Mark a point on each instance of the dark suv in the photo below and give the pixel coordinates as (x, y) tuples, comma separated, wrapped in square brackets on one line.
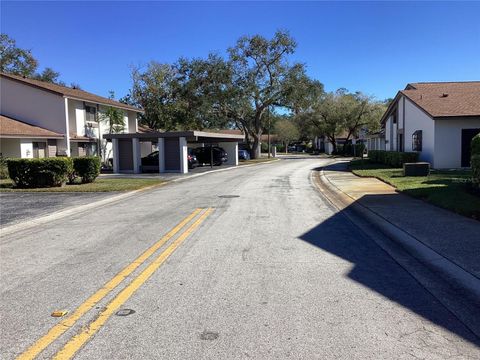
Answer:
[(204, 155), (151, 160)]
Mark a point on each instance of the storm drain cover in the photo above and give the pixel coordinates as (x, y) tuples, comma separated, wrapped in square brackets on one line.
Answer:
[(125, 312), (209, 335), (228, 196)]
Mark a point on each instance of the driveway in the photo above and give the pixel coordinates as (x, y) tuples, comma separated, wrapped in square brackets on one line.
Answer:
[(247, 263), (21, 206)]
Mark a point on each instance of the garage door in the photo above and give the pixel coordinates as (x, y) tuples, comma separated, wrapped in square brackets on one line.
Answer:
[(125, 152), (172, 154)]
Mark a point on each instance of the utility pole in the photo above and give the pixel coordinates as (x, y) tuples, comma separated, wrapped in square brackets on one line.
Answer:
[(268, 119)]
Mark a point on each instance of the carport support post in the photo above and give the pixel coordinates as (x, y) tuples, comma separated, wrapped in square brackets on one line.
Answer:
[(182, 144), (232, 152), (137, 158), (161, 155), (115, 154)]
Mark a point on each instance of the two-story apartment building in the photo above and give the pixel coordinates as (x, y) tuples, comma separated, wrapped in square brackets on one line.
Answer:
[(436, 119), (40, 119)]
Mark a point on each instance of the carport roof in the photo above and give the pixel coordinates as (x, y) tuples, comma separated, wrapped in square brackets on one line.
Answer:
[(191, 136)]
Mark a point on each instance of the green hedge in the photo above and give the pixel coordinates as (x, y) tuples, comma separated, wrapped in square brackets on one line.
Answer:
[(348, 149), (88, 168), (475, 163), (3, 168), (476, 145), (393, 158), (37, 173)]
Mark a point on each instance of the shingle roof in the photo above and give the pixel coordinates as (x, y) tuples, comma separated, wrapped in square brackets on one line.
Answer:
[(14, 128), (70, 92), (446, 99)]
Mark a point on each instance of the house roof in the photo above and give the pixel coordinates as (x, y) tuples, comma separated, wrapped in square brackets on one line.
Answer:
[(445, 99), (12, 128), (70, 92)]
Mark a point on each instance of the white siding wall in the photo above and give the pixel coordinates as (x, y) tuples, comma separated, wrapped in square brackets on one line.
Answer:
[(76, 117), (388, 134), (132, 122), (34, 106), (416, 119), (448, 140)]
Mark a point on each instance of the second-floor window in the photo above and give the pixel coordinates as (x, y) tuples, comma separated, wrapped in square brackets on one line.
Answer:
[(90, 112)]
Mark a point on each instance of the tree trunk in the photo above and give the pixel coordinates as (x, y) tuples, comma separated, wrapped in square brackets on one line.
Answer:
[(256, 148)]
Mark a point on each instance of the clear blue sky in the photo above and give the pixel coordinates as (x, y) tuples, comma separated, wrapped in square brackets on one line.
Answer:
[(374, 47)]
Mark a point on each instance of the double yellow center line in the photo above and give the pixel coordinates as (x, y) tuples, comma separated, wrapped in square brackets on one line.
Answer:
[(77, 341)]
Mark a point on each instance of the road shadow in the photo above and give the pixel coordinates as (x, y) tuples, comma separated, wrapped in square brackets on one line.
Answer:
[(376, 270)]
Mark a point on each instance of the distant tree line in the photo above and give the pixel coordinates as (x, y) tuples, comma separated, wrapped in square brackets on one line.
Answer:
[(255, 88)]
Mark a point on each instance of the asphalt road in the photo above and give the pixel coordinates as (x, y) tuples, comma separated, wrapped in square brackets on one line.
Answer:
[(272, 271)]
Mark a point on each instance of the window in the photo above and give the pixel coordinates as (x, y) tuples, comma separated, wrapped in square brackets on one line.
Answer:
[(417, 140), (90, 112), (394, 116)]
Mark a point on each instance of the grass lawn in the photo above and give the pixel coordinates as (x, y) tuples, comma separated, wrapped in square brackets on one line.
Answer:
[(448, 189), (100, 185)]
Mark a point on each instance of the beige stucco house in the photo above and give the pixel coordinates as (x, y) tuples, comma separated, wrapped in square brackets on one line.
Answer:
[(436, 119), (40, 119)]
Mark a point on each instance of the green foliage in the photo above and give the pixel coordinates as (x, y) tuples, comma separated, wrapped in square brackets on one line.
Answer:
[(475, 164), (88, 168), (476, 145), (348, 149), (17, 61), (286, 130), (113, 117), (35, 173), (49, 75), (394, 159), (240, 91), (14, 60), (3, 168)]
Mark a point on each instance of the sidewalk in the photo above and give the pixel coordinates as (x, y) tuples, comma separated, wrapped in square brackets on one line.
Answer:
[(452, 237)]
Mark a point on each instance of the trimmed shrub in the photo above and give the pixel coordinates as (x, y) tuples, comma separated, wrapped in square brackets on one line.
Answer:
[(88, 168), (476, 145), (347, 149), (394, 159), (36, 173), (3, 168), (475, 163)]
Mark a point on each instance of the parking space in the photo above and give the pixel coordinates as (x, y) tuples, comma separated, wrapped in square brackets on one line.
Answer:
[(171, 152), (18, 207)]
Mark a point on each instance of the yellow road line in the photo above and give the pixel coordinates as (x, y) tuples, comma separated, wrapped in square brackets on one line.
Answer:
[(88, 304), (77, 341)]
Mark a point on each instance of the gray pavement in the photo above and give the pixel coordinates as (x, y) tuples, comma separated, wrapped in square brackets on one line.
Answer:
[(23, 206), (275, 272)]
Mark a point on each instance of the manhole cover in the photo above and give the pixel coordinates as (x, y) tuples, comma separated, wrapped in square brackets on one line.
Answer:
[(228, 196), (209, 335), (125, 312)]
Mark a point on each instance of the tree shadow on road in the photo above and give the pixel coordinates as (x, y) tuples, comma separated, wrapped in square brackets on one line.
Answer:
[(376, 270)]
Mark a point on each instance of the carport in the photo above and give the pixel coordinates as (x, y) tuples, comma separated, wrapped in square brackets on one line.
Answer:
[(128, 149)]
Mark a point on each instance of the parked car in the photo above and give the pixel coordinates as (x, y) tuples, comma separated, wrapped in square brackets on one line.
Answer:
[(243, 155), (192, 159), (203, 155), (152, 159)]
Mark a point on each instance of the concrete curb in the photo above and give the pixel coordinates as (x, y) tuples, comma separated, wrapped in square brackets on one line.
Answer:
[(454, 274), (28, 224)]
